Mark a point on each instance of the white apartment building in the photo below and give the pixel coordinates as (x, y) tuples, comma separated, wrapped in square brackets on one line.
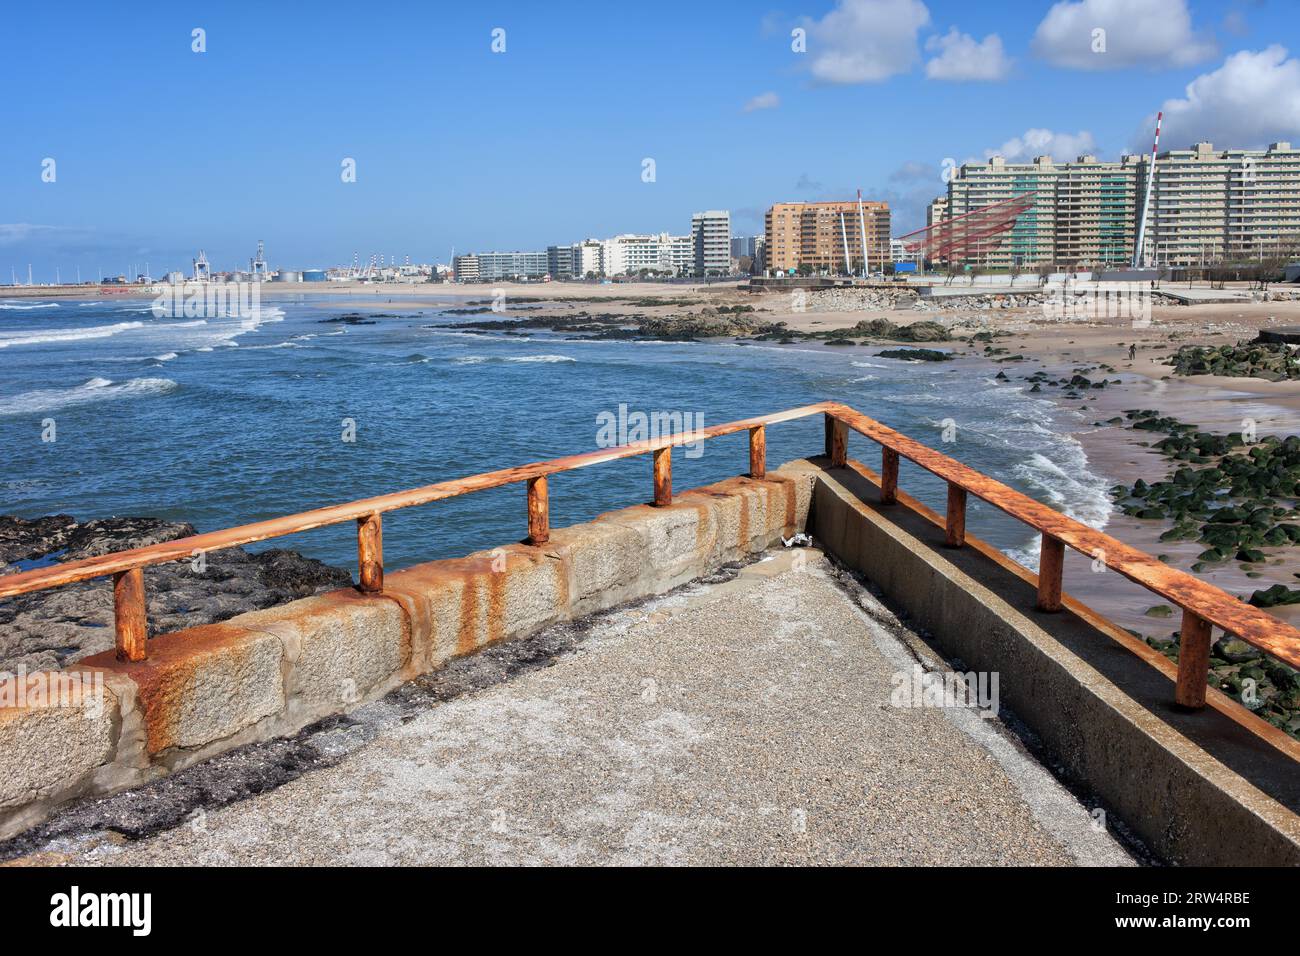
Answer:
[(711, 240), (630, 253), (1232, 204), (1207, 206), (465, 268), (589, 258)]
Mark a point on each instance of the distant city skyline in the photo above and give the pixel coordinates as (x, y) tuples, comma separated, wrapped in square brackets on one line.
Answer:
[(452, 135)]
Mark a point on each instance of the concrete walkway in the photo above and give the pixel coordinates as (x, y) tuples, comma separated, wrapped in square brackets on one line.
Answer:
[(745, 722)]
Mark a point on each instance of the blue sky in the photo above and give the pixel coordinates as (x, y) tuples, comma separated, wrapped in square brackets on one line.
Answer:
[(160, 150)]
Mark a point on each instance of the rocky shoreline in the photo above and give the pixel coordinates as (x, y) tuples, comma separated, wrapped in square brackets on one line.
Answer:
[(737, 322), (48, 630)]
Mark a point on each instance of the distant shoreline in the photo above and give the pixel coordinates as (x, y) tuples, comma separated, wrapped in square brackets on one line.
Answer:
[(420, 290)]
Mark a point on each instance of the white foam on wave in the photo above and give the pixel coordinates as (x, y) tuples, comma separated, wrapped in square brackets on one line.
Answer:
[(46, 336), (1066, 484), (92, 390), (541, 358), (165, 357), (274, 345), (480, 359), (26, 307)]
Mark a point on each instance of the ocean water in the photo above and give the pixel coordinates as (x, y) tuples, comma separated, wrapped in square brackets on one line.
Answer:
[(223, 421)]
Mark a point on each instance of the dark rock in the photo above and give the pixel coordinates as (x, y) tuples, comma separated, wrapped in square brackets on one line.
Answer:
[(50, 629), (916, 355)]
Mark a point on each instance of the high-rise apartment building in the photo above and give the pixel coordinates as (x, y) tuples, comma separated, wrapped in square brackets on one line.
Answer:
[(1207, 206), (559, 261), (588, 258), (810, 233), (465, 268), (711, 238), (1235, 204)]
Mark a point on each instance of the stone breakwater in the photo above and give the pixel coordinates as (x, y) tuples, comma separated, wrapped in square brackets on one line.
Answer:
[(987, 302), (857, 300), (47, 630), (867, 299)]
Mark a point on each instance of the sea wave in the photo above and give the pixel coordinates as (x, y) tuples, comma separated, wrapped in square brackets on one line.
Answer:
[(1067, 484), (92, 390), (25, 307), (273, 345), (45, 336), (480, 359), (541, 358)]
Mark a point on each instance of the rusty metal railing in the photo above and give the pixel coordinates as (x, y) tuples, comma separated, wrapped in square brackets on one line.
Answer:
[(1203, 604), (127, 567)]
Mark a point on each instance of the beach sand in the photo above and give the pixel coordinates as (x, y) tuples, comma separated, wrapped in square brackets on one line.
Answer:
[(1118, 453)]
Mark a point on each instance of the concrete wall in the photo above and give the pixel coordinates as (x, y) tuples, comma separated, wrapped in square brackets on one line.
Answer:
[(1211, 787), (269, 673)]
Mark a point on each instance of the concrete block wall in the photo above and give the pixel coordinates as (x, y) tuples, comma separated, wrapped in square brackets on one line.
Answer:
[(1198, 788), (268, 673)]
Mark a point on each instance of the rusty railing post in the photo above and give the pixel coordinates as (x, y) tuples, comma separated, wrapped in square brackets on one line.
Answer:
[(837, 441), (1193, 661), (129, 614), (758, 452), (955, 527), (539, 511), (1051, 568), (370, 553), (888, 476), (664, 476)]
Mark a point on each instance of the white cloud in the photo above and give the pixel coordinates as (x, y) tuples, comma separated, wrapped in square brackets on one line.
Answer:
[(763, 101), (962, 58), (866, 41), (1138, 33), (1044, 142), (1250, 101)]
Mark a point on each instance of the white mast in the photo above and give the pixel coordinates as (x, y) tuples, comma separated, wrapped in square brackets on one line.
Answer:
[(1146, 199), (862, 224), (848, 267)]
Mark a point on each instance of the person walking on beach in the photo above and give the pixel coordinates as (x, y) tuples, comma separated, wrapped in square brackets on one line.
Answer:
[(1132, 351)]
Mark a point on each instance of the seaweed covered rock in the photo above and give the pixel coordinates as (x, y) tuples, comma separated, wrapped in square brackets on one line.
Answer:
[(1236, 499), (1271, 361)]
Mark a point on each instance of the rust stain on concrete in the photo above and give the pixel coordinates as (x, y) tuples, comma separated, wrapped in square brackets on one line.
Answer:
[(169, 673)]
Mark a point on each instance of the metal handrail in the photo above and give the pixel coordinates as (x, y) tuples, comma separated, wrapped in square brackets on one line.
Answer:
[(1203, 604), (126, 567)]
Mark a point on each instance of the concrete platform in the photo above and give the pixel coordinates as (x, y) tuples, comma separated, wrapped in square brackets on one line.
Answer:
[(1195, 296), (1289, 334), (748, 721)]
